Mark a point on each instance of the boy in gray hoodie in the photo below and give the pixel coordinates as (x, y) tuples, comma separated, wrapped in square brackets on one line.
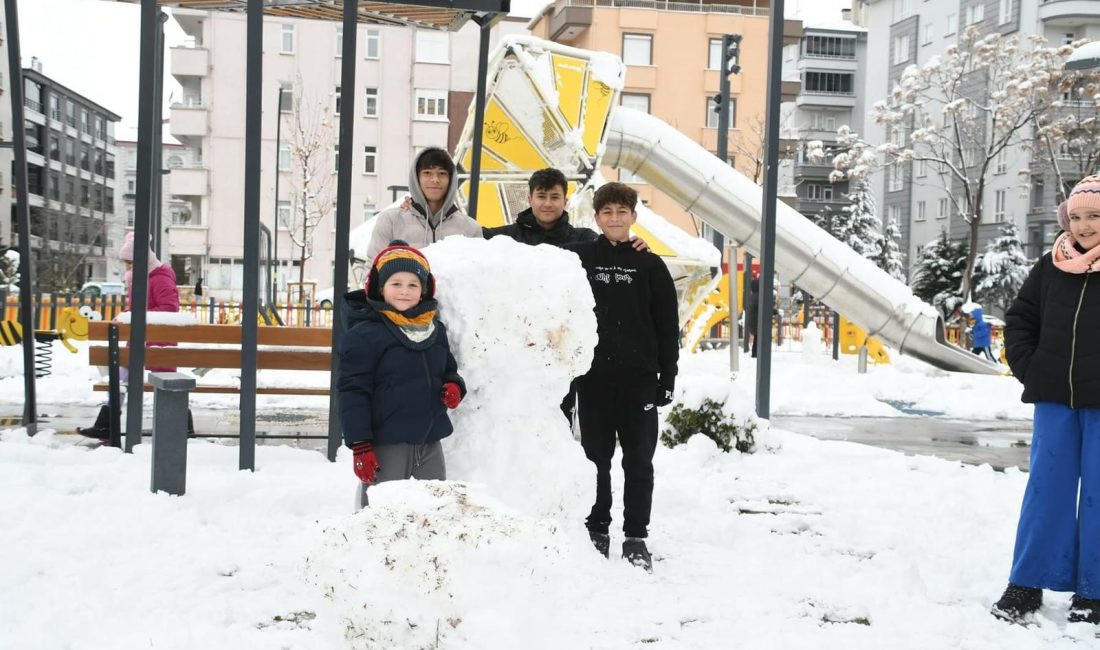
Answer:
[(432, 214)]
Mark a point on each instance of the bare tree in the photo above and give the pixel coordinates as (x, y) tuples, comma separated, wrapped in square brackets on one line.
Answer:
[(1067, 131), (747, 149), (312, 156), (964, 108)]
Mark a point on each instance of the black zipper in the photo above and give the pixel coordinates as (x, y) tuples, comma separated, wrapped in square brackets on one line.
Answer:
[(1073, 339)]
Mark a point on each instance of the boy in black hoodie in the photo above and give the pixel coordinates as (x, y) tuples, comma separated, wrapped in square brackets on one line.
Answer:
[(633, 369)]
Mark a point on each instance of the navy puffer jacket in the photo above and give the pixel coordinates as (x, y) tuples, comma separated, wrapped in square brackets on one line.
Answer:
[(390, 393)]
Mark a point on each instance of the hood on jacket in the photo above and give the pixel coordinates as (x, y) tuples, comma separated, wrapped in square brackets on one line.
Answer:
[(527, 220), (976, 314), (357, 309), (420, 204)]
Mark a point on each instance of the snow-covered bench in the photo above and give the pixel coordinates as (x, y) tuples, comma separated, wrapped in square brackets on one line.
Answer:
[(219, 346)]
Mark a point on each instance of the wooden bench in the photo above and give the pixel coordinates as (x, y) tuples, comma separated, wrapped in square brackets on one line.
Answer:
[(282, 348)]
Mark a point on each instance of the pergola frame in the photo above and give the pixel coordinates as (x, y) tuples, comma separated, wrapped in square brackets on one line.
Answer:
[(436, 14)]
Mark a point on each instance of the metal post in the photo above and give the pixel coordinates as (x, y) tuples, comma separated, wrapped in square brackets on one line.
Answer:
[(155, 208), (23, 218), (343, 216), (731, 278), (836, 336), (484, 21), (723, 104), (169, 471), (148, 119), (861, 363), (114, 394), (767, 211), (746, 282), (274, 279), (254, 74)]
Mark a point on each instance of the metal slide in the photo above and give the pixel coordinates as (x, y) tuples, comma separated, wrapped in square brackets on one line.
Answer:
[(804, 253)]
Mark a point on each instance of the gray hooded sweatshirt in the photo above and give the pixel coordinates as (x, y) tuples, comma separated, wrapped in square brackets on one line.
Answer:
[(415, 225)]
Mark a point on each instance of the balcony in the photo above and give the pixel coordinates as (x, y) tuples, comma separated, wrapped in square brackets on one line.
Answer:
[(189, 121), (568, 22), (188, 181), (819, 98), (789, 89), (190, 61), (1069, 13)]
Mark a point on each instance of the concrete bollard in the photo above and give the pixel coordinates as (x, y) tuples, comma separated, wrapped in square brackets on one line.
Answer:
[(170, 396)]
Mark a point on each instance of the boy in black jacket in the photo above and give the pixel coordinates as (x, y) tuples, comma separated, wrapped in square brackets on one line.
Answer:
[(633, 369)]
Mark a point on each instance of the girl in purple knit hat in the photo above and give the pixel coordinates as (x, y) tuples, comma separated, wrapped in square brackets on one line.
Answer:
[(1052, 341)]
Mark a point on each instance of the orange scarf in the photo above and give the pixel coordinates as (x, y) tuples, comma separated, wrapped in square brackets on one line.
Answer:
[(1069, 259)]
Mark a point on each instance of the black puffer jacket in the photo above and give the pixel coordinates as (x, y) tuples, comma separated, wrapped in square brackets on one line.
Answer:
[(526, 230), (1052, 336)]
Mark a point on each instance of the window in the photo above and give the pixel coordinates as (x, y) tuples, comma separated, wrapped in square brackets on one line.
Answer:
[(336, 94), (284, 157), (902, 9), (85, 159), (339, 40), (926, 34), (823, 122), (920, 211), (431, 104), (284, 214), (1005, 13), (999, 206), (1001, 162), (374, 43), (952, 24), (286, 97), (714, 54), (893, 214), (85, 121), (55, 107), (942, 214), (922, 168), (55, 186), (1069, 38), (975, 13), (829, 47), (70, 190), (901, 49), (432, 46), (636, 101), (130, 186), (370, 102), (819, 192), (789, 52), (638, 49), (369, 155), (896, 176), (130, 218), (369, 210), (335, 157), (70, 152), (55, 146), (833, 83), (286, 39), (712, 114)]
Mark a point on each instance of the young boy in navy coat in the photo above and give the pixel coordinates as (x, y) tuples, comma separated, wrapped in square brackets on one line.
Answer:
[(397, 375)]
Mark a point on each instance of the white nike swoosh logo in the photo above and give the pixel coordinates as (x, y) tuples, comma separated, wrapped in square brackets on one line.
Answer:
[(647, 407)]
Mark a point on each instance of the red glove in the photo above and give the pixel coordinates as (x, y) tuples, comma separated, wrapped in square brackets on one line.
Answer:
[(365, 462), (452, 395)]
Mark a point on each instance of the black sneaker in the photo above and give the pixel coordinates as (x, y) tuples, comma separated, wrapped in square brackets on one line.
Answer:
[(636, 553), (1084, 610), (602, 542), (1018, 603)]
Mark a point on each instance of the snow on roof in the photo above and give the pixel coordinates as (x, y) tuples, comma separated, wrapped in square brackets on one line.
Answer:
[(1089, 52), (835, 26)]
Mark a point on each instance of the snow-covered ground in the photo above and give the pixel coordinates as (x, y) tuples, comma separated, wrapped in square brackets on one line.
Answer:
[(805, 544)]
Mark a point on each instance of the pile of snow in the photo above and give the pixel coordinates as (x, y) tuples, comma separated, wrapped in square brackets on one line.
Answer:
[(521, 324)]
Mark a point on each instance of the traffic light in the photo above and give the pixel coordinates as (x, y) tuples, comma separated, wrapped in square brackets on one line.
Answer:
[(731, 53), (717, 103)]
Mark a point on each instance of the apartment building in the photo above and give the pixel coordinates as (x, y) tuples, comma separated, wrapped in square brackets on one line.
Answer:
[(830, 63), (176, 211), (911, 32), (7, 156), (412, 90), (672, 51), (70, 182)]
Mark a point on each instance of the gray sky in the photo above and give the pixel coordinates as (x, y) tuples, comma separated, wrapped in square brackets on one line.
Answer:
[(102, 62)]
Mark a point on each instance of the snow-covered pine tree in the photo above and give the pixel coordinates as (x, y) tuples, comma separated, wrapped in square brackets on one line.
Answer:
[(862, 231), (9, 269), (889, 254), (938, 273), (1003, 268)]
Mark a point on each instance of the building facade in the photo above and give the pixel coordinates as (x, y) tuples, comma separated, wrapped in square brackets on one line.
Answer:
[(830, 63), (412, 90), (911, 32), (672, 53), (70, 182)]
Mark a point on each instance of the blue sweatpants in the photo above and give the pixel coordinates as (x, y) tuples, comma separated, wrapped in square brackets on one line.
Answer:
[(1058, 537)]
